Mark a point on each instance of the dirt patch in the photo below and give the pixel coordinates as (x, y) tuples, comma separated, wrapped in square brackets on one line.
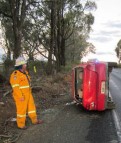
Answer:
[(47, 93)]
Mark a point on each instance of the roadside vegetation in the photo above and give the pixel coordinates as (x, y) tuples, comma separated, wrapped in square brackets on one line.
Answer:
[(52, 35)]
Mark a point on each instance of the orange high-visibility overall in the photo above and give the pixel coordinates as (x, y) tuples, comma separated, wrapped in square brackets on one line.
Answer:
[(20, 83)]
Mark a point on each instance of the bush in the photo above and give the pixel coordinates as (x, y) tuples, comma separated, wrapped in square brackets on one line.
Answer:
[(8, 67), (68, 67), (37, 68), (119, 66)]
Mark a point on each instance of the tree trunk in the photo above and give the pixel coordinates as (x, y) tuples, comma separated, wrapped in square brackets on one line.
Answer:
[(17, 42), (63, 60), (58, 38), (18, 12), (49, 65)]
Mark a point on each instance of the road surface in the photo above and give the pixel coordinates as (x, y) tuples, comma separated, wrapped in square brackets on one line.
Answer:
[(115, 90), (70, 123)]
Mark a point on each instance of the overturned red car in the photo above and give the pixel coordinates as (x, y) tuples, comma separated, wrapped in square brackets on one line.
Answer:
[(90, 85)]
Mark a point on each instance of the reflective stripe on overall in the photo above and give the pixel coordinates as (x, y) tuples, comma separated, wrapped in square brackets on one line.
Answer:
[(21, 89)]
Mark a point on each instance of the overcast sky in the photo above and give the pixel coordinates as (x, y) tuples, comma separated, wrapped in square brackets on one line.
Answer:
[(106, 29)]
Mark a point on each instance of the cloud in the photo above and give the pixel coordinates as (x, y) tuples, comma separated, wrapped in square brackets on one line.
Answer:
[(107, 57), (106, 29), (100, 38), (109, 32), (112, 24), (105, 53)]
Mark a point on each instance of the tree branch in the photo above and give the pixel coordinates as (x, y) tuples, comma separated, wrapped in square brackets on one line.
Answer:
[(31, 3), (5, 14), (41, 53)]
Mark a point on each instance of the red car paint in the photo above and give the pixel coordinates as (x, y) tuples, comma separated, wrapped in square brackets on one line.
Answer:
[(94, 85)]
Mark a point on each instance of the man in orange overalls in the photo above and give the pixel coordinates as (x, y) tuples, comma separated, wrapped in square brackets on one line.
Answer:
[(20, 82)]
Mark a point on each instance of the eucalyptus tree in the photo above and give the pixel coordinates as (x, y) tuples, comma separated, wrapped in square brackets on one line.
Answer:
[(118, 50), (70, 16), (48, 25), (8, 37), (77, 47), (15, 12)]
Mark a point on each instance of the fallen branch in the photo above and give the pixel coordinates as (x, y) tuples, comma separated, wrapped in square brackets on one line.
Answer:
[(6, 136), (5, 124), (8, 92), (13, 141)]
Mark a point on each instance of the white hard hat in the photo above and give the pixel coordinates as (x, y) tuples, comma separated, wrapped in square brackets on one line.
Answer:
[(20, 61)]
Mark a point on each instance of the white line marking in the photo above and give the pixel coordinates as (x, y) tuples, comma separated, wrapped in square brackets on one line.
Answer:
[(117, 123)]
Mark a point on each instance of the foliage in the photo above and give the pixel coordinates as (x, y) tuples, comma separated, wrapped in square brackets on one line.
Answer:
[(57, 30), (8, 67), (118, 49), (40, 67)]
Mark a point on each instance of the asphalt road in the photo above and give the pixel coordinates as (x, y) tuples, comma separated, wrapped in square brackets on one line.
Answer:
[(70, 123), (115, 90)]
